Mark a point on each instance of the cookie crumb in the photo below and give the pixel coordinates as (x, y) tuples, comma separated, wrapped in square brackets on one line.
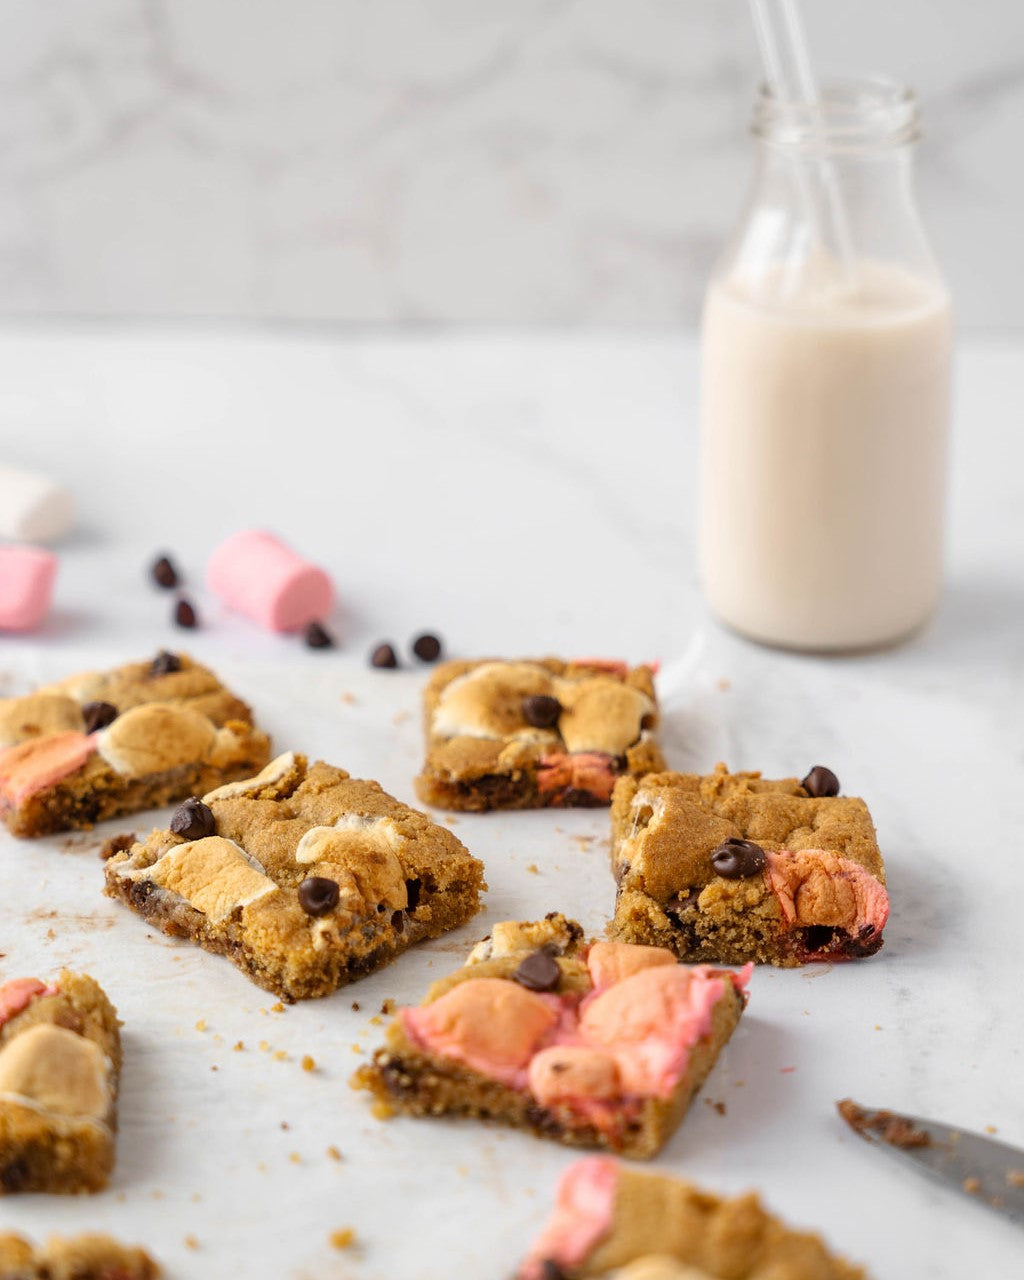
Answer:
[(343, 1239), (991, 1128), (333, 1153), (277, 1008), (264, 1046), (238, 1046), (295, 1158), (382, 1110), (201, 1024), (533, 869), (716, 1106), (1015, 1177), (280, 1055), (388, 1007), (355, 1005), (191, 1242), (308, 1063), (972, 1186)]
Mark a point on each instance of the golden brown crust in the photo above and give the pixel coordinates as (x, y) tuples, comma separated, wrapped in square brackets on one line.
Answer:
[(400, 878), (482, 753), (404, 1077), (176, 733), (58, 1119), (665, 828)]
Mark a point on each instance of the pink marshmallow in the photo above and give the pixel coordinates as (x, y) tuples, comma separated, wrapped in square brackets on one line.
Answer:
[(259, 576), (26, 586)]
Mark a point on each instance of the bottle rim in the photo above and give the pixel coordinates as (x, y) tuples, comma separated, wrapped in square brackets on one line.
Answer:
[(860, 113)]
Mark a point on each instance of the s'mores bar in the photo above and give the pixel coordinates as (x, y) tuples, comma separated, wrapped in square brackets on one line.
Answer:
[(60, 1063), (594, 1045), (304, 877), (611, 1222), (733, 867), (536, 733), (106, 743)]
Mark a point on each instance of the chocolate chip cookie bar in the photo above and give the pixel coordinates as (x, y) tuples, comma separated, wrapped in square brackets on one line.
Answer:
[(101, 744), (613, 1223), (60, 1063), (535, 734), (304, 877), (85, 1257), (731, 867), (597, 1045)]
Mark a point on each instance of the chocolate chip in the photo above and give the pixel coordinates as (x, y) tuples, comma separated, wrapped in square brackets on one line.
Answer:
[(317, 637), (15, 1175), (185, 615), (384, 656), (164, 663), (318, 895), (538, 972), (193, 820), (98, 715), (541, 711), (735, 859), (427, 647), (163, 573), (821, 782), (412, 889)]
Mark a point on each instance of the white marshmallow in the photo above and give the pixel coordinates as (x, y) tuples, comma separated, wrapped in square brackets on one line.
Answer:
[(33, 508)]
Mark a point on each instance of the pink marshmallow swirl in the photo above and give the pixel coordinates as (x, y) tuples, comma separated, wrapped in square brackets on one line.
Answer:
[(628, 1039), (582, 1216), (18, 994), (816, 887), (40, 762)]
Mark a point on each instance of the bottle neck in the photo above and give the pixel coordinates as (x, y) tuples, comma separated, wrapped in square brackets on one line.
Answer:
[(868, 117)]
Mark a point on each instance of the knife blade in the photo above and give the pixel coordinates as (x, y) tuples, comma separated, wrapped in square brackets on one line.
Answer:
[(988, 1171)]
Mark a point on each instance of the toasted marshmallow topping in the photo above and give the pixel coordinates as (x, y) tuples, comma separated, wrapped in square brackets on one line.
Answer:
[(213, 875), (56, 1072), (155, 737), (271, 773)]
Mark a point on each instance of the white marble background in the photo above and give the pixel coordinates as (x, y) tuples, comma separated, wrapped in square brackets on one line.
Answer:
[(417, 161)]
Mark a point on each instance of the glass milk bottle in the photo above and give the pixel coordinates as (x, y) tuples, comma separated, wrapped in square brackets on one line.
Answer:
[(826, 346)]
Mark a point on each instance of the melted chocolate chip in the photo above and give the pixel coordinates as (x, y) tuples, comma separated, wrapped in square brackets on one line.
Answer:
[(318, 895), (164, 663), (538, 972), (98, 715), (15, 1175), (821, 782), (317, 637), (193, 820), (735, 859), (412, 889), (427, 647), (163, 573), (185, 615), (384, 656), (541, 711)]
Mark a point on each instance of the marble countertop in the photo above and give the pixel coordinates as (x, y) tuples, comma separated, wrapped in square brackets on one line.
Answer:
[(518, 495)]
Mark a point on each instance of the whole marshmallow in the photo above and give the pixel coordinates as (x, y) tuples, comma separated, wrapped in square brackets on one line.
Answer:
[(255, 573), (26, 586), (33, 508)]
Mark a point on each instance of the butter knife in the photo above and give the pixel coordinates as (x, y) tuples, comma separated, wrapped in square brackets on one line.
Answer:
[(977, 1166)]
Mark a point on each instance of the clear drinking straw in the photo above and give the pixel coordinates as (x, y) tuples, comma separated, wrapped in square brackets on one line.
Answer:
[(787, 66)]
